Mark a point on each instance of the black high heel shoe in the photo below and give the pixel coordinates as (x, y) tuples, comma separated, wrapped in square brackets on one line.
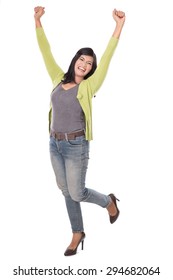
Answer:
[(71, 252), (114, 200)]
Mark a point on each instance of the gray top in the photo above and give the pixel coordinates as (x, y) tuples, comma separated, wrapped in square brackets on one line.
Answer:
[(67, 114)]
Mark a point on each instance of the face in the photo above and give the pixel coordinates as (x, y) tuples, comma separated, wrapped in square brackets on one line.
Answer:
[(83, 66)]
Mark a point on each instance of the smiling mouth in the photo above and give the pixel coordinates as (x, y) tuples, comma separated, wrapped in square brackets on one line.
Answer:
[(81, 69)]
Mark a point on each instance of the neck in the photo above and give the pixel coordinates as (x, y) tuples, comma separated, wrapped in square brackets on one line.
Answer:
[(78, 80)]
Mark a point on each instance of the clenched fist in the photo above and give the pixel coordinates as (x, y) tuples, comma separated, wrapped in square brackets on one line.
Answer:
[(39, 11), (118, 16)]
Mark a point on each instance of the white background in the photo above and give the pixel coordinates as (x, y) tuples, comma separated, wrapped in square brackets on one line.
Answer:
[(132, 151)]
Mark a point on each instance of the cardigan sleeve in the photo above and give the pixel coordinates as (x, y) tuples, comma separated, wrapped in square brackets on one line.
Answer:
[(54, 71), (96, 80)]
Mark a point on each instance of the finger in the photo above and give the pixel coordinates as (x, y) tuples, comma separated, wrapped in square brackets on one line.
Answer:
[(38, 8), (120, 14)]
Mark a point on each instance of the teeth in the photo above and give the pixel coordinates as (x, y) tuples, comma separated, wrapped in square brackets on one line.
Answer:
[(80, 68)]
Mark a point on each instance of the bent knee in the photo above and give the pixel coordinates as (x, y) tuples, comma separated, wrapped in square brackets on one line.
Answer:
[(77, 197)]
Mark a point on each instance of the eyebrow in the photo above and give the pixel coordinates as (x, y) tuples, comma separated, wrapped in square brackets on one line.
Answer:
[(87, 60)]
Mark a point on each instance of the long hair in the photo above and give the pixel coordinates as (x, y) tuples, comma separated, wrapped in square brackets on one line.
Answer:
[(70, 75)]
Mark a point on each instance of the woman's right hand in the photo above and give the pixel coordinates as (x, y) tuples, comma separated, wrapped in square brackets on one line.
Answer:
[(39, 11)]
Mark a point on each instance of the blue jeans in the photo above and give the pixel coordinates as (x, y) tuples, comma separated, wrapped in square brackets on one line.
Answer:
[(70, 161)]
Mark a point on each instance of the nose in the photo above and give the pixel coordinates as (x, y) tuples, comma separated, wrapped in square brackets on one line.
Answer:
[(84, 63)]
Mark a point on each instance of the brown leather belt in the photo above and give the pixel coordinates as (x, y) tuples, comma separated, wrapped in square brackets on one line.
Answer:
[(67, 136)]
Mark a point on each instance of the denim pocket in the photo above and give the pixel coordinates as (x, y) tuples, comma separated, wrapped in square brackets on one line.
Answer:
[(78, 141)]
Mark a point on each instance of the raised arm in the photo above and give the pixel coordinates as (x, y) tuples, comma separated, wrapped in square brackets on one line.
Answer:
[(96, 80), (55, 72), (119, 18)]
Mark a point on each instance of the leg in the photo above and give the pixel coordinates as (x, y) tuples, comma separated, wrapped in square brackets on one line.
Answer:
[(58, 164), (76, 154)]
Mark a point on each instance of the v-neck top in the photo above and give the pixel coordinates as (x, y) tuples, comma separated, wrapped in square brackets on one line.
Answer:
[(67, 113)]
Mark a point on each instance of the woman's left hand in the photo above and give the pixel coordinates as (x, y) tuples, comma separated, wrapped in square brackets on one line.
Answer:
[(119, 16)]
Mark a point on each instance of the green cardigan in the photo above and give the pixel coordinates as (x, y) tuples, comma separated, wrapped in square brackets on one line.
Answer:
[(88, 87)]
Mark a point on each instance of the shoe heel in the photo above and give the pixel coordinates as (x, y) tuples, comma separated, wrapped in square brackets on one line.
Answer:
[(82, 244), (114, 200)]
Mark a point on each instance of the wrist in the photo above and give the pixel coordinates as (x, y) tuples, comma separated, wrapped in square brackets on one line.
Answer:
[(118, 30), (38, 22), (119, 25)]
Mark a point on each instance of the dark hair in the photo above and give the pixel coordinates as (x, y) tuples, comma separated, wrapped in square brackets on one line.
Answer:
[(70, 75)]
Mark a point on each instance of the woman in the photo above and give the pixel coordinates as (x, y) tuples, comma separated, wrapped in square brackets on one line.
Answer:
[(71, 124)]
